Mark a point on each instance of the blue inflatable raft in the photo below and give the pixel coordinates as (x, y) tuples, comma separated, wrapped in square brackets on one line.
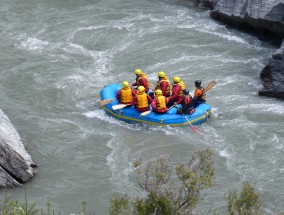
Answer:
[(171, 118)]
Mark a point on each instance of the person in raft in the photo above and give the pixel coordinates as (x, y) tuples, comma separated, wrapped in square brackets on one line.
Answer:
[(141, 100), (176, 96), (125, 94), (186, 103), (199, 94), (141, 80), (159, 104), (163, 84)]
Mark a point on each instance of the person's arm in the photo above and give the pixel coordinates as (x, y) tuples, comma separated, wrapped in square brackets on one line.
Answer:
[(179, 101), (133, 102), (150, 100), (167, 100), (118, 95), (143, 82), (197, 93), (133, 92), (154, 104), (175, 93), (164, 86)]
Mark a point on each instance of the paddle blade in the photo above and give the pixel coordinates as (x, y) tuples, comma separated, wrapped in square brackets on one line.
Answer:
[(210, 85), (119, 106), (194, 129), (104, 102), (145, 113)]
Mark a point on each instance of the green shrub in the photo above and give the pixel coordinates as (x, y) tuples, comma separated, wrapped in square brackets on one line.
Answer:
[(166, 194), (246, 203)]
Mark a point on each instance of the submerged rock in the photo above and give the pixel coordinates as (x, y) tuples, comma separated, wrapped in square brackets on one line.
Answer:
[(16, 165)]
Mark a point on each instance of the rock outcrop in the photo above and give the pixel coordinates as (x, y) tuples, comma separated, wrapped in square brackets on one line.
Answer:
[(266, 20), (16, 165), (272, 75)]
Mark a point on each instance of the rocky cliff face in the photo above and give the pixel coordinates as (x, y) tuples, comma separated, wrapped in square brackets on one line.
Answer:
[(16, 165), (266, 19), (272, 75)]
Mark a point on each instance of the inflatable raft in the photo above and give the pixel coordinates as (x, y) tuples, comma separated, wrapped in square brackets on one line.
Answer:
[(171, 118)]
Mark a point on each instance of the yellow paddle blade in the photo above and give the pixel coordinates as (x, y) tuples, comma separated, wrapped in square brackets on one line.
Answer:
[(146, 112), (104, 102), (210, 85), (119, 106)]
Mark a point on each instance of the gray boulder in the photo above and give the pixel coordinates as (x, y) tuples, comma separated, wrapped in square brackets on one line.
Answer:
[(272, 75), (266, 19), (16, 165)]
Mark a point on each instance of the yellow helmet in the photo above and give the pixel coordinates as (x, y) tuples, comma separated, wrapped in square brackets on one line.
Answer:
[(141, 89), (125, 84), (162, 74), (177, 79), (138, 71), (158, 92)]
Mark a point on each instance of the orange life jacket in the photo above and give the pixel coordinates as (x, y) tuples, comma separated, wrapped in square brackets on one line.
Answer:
[(140, 77), (168, 90), (126, 95), (142, 100), (200, 93), (182, 86), (161, 103)]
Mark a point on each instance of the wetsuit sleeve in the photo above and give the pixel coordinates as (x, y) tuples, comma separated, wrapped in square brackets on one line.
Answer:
[(179, 101), (197, 93), (175, 92), (164, 86), (118, 95), (133, 92), (133, 100), (154, 103), (143, 82), (149, 99)]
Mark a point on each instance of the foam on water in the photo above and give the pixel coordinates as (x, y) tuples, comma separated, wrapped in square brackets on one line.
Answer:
[(34, 44), (118, 162)]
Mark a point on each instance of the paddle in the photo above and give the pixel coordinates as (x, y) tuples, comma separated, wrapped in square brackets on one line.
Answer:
[(210, 85), (119, 106), (194, 129), (149, 111), (191, 126), (145, 113), (107, 101)]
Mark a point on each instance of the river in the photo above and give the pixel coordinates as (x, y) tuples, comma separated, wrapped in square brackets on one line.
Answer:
[(57, 55)]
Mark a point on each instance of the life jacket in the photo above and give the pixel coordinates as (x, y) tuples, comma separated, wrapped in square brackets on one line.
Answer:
[(186, 102), (140, 77), (126, 95), (142, 100), (161, 103), (168, 90), (182, 85), (201, 97)]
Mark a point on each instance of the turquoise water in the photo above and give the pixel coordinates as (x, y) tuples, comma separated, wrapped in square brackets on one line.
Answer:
[(57, 55)]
